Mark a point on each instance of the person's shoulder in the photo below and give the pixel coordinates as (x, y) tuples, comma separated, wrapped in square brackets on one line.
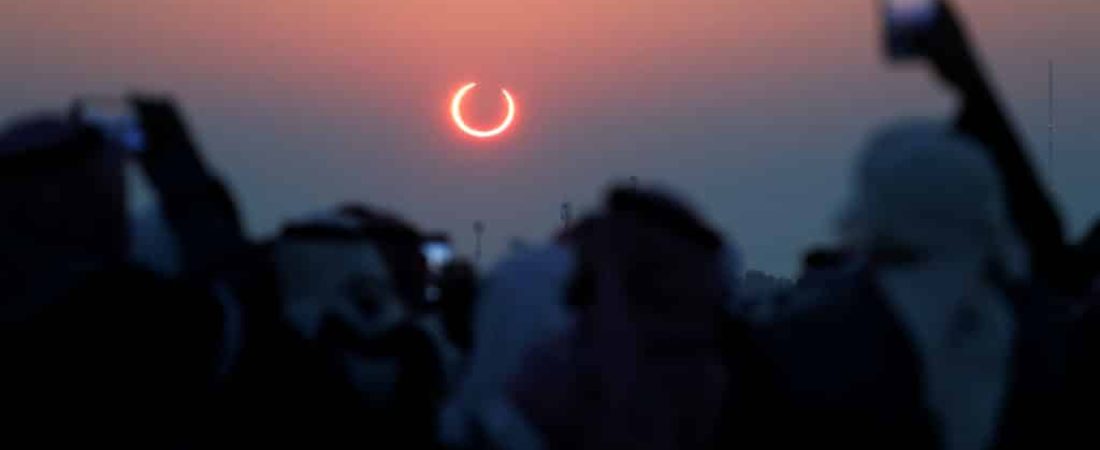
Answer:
[(817, 299), (825, 320)]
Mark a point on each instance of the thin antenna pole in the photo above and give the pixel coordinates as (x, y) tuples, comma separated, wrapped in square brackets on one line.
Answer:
[(566, 215), (1050, 116)]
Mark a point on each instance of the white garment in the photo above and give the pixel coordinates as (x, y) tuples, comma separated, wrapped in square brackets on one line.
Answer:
[(922, 187), (962, 328), (319, 279), (523, 305), (346, 281)]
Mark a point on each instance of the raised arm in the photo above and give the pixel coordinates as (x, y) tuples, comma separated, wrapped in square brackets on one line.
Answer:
[(196, 204), (983, 117)]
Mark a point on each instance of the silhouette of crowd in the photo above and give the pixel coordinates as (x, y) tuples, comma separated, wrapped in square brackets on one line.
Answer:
[(950, 313)]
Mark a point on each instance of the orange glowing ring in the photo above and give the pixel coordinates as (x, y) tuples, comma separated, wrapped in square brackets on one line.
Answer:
[(456, 114)]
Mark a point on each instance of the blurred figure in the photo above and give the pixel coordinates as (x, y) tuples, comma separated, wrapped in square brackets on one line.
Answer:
[(930, 344), (523, 303), (63, 211), (347, 365), (88, 333), (644, 363), (446, 317)]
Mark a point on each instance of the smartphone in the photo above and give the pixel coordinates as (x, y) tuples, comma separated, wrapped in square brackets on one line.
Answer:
[(116, 118), (438, 253), (907, 22)]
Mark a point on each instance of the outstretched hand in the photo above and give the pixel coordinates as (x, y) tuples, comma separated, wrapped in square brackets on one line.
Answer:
[(171, 157), (198, 207), (161, 120)]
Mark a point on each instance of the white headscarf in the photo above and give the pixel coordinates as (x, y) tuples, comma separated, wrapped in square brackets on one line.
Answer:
[(328, 279), (523, 305), (923, 187), (321, 280)]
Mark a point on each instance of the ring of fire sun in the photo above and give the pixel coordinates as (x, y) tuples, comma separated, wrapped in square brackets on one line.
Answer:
[(456, 114)]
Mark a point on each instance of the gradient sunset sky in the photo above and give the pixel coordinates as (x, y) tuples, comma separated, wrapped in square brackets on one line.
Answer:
[(752, 109)]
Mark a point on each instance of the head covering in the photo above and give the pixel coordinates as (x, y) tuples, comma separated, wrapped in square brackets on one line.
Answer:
[(330, 269), (524, 303), (649, 291), (923, 186), (62, 209), (928, 194)]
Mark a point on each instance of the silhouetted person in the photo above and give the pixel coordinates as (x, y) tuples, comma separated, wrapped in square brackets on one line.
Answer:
[(95, 329), (523, 302), (63, 211), (931, 343), (645, 361), (346, 365)]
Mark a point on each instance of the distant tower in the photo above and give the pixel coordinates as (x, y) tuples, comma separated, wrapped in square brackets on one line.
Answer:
[(479, 229), (566, 214)]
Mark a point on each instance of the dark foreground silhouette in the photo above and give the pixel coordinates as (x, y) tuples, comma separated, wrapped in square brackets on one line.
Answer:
[(951, 313)]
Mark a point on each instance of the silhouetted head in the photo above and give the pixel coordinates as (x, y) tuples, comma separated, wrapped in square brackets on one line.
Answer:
[(325, 273), (353, 263), (663, 210), (929, 214), (398, 242), (922, 191), (62, 210), (649, 291), (663, 254)]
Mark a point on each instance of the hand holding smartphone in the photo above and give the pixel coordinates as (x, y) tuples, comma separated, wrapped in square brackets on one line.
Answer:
[(930, 30), (115, 118), (438, 253), (172, 160), (909, 25)]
